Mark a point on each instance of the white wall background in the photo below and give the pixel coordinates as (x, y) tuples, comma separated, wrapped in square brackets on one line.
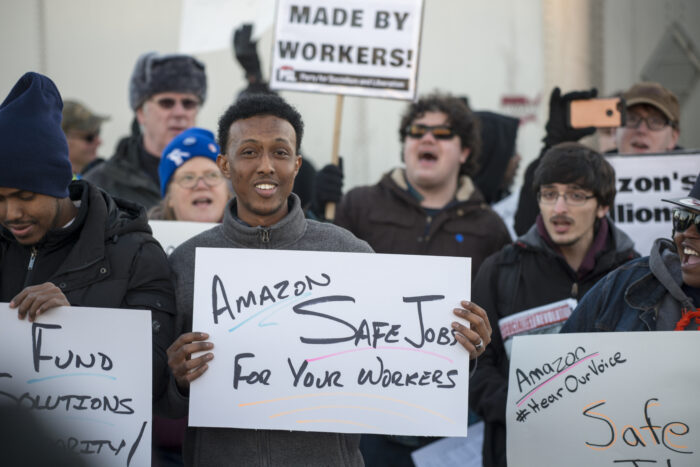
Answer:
[(480, 49)]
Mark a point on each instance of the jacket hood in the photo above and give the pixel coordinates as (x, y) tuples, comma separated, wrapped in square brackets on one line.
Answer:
[(396, 180), (498, 134)]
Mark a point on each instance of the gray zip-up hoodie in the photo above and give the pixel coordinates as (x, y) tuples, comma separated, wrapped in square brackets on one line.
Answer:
[(229, 446)]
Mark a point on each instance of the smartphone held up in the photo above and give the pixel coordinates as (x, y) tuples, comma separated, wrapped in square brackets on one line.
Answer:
[(598, 113)]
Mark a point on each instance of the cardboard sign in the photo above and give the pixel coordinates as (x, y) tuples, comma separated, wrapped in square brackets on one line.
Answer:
[(171, 234), (604, 399), (86, 374), (642, 182), (331, 342), (353, 47)]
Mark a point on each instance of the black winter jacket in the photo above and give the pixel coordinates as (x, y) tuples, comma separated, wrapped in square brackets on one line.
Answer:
[(524, 275), (105, 258), (122, 175)]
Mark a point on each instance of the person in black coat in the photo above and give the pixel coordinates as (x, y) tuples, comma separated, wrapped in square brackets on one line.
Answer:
[(66, 243)]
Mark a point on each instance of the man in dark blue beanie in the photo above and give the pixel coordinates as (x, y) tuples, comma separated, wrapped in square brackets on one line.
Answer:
[(66, 243)]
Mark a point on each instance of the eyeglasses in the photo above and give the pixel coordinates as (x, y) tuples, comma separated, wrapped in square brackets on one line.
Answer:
[(572, 198), (88, 138), (654, 122), (167, 103), (683, 219), (190, 180), (438, 131)]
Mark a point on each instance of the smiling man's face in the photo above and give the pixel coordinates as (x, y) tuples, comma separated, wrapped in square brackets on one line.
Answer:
[(688, 247), (431, 162), (27, 215), (261, 162)]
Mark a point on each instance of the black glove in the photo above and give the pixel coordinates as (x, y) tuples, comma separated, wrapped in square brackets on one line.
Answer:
[(328, 186), (558, 129), (246, 53)]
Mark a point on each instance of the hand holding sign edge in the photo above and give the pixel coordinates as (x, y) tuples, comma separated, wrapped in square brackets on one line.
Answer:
[(37, 299), (183, 367), (475, 338)]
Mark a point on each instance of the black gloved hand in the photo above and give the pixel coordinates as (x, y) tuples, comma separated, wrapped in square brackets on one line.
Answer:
[(558, 129), (328, 186), (246, 53)]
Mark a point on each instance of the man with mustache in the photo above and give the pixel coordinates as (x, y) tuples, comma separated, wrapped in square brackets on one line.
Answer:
[(569, 248)]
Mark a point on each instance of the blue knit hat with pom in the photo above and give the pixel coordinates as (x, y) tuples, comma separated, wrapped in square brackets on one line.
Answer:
[(194, 142), (34, 154)]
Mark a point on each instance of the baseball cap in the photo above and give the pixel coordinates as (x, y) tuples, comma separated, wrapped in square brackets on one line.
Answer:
[(656, 95), (77, 116)]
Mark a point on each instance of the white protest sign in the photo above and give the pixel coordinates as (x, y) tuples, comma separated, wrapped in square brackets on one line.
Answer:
[(331, 342), (171, 234), (624, 398), (208, 25), (353, 47), (86, 374), (641, 182)]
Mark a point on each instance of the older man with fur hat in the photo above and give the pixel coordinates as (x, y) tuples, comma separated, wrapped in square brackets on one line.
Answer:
[(165, 93), (68, 243)]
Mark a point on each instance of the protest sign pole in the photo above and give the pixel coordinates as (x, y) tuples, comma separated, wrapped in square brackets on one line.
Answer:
[(335, 160)]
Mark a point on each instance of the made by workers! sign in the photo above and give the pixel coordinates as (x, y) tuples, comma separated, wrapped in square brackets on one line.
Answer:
[(353, 47)]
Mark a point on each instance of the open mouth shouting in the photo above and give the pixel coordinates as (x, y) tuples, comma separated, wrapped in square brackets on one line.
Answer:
[(561, 224), (203, 201), (427, 156)]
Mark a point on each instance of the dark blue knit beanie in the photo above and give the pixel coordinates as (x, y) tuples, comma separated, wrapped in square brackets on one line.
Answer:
[(34, 154)]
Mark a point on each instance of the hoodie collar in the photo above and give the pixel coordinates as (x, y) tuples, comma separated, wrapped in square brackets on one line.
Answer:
[(278, 236)]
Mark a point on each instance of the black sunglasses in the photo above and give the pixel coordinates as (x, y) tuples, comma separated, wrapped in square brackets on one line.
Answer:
[(683, 219), (167, 103), (438, 131)]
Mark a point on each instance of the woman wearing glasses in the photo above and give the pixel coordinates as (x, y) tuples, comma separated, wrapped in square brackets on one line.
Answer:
[(660, 292), (191, 183)]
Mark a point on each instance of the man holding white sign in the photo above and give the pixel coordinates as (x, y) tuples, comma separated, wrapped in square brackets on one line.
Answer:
[(260, 138), (570, 248)]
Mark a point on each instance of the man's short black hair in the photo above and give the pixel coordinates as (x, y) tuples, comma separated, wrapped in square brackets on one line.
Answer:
[(259, 105), (460, 118), (577, 164)]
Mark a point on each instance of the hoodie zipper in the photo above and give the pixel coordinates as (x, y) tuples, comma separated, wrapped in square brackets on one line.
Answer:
[(265, 235), (30, 267), (32, 259)]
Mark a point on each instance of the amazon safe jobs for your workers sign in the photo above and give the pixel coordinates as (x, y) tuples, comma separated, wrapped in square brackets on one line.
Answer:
[(331, 342), (355, 47)]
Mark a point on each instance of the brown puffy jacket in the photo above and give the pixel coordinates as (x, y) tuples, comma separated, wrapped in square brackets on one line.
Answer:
[(391, 220)]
